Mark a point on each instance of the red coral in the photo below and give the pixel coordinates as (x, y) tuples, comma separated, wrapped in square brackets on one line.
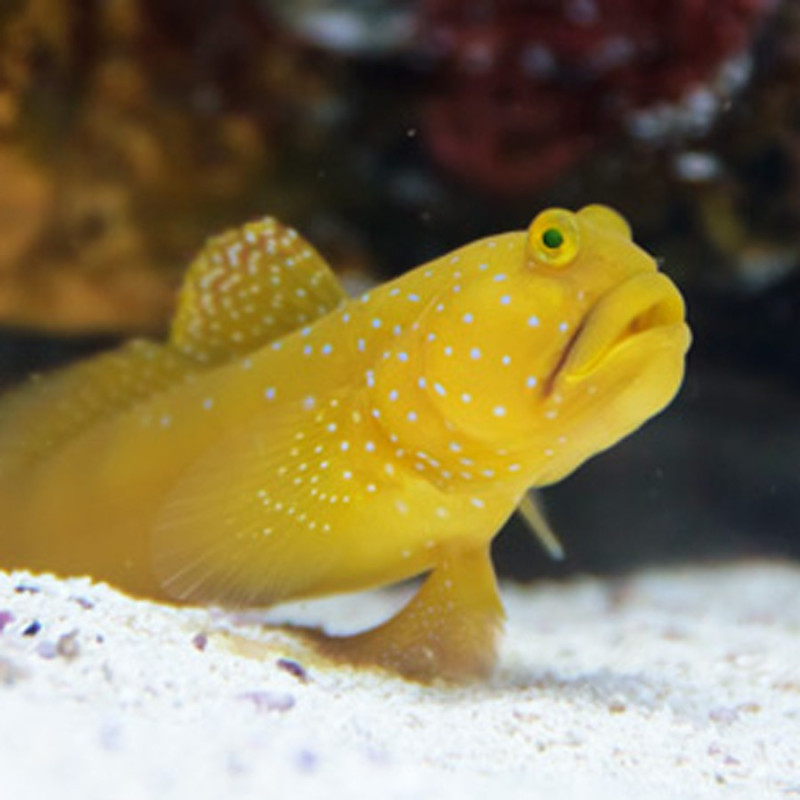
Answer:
[(527, 88)]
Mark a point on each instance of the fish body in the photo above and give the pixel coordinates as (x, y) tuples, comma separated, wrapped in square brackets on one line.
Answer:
[(289, 442)]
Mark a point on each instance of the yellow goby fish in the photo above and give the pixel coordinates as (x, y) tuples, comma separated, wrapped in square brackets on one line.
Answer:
[(288, 442)]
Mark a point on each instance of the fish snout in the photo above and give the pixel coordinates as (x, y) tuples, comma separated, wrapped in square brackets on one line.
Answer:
[(647, 307)]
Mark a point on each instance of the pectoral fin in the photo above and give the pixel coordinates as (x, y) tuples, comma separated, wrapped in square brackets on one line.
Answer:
[(246, 523)]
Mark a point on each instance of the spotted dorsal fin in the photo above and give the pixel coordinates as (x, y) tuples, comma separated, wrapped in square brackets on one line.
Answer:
[(248, 287)]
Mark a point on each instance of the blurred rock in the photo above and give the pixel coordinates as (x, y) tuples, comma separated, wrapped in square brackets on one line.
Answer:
[(529, 90)]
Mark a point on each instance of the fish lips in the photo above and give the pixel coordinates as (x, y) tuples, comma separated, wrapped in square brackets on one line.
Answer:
[(646, 309)]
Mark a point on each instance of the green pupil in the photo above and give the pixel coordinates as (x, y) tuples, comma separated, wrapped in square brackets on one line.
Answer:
[(553, 238)]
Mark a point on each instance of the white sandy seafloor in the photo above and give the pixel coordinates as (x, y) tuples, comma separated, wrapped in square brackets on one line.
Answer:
[(678, 683)]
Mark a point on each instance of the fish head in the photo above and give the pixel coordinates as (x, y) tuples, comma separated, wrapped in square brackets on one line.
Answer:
[(555, 342)]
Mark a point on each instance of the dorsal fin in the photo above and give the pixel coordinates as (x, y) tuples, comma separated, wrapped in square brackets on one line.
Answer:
[(49, 410), (248, 287)]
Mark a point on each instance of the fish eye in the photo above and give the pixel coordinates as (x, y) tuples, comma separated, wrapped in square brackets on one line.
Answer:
[(553, 238)]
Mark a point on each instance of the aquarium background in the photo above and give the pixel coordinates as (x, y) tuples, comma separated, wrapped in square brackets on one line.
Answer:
[(389, 131)]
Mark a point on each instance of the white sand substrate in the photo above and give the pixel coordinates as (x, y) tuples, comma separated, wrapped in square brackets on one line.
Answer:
[(679, 683)]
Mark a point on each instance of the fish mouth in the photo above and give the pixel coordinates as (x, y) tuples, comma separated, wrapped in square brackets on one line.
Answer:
[(647, 307)]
